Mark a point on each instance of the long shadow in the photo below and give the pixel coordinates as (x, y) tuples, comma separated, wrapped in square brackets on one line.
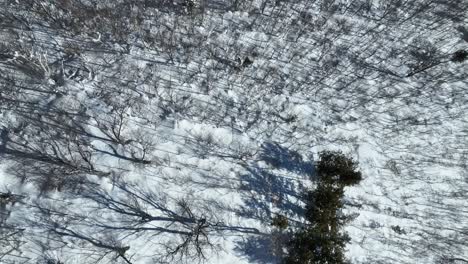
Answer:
[(263, 189), (258, 249), (282, 158)]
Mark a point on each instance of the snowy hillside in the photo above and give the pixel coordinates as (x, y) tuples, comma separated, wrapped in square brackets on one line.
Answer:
[(136, 131)]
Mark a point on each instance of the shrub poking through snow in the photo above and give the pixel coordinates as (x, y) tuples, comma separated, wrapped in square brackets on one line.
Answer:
[(460, 56), (280, 221)]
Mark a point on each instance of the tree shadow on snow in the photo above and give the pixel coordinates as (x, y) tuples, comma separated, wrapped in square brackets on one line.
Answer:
[(282, 158), (266, 191), (258, 249)]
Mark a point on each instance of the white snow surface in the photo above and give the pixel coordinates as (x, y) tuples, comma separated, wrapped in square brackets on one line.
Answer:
[(240, 141)]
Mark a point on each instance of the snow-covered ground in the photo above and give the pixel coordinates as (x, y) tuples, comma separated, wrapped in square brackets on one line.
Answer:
[(225, 108)]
